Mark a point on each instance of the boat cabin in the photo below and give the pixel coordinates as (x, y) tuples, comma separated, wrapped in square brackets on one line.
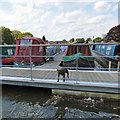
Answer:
[(107, 55), (22, 53), (7, 55), (78, 56), (108, 50)]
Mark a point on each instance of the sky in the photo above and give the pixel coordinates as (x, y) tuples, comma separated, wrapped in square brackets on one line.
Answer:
[(60, 19)]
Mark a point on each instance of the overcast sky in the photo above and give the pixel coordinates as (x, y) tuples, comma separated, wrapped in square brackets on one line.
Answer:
[(60, 20)]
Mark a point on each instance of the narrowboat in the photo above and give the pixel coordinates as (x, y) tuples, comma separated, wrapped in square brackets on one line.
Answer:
[(50, 53), (22, 53), (7, 55), (106, 54), (78, 56)]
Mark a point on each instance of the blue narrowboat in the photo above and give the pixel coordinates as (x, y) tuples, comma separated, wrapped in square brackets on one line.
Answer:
[(106, 54)]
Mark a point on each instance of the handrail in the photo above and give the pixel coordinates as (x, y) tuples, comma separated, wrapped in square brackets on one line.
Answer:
[(77, 44), (52, 56)]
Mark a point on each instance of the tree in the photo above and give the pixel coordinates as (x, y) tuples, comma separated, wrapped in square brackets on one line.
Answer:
[(80, 40), (113, 34), (6, 35), (72, 40), (15, 34), (1, 36), (88, 39), (25, 34), (64, 41), (20, 35), (97, 39)]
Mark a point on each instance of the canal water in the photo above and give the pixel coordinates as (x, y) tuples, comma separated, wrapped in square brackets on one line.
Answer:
[(28, 102)]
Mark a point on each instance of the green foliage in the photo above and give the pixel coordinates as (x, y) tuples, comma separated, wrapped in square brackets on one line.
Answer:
[(97, 39), (80, 40), (20, 35), (15, 34), (64, 41), (9, 37), (0, 36), (6, 35), (72, 40), (88, 39), (25, 34), (114, 34)]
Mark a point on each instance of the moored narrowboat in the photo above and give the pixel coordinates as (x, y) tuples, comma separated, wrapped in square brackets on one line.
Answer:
[(22, 53), (79, 56), (7, 55), (107, 55)]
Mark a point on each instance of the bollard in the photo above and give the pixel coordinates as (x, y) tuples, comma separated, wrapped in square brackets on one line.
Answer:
[(110, 65), (118, 67)]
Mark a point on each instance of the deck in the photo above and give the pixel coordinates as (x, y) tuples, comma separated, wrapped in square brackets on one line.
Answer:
[(46, 76)]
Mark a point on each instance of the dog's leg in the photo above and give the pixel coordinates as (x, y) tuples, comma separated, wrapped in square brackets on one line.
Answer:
[(64, 78), (58, 78), (67, 73)]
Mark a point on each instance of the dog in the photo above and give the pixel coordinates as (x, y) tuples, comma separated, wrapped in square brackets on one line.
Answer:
[(62, 71)]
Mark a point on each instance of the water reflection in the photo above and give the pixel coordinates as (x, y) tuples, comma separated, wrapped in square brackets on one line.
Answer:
[(28, 102), (25, 94), (14, 97)]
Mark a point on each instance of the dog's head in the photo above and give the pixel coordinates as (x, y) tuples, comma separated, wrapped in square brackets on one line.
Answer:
[(61, 64)]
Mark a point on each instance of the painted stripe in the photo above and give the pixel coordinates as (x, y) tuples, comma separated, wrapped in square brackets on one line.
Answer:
[(101, 46), (105, 49), (112, 50)]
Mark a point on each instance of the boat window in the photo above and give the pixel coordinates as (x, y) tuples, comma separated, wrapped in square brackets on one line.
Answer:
[(108, 50), (25, 42), (10, 52), (117, 50), (103, 47), (40, 49), (97, 48)]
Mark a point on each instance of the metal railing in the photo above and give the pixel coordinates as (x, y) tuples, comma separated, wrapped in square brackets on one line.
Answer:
[(95, 67)]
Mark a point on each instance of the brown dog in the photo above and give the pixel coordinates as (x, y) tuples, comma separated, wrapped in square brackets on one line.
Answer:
[(62, 71)]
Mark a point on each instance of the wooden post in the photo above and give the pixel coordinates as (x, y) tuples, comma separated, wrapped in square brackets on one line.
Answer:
[(110, 65), (118, 67)]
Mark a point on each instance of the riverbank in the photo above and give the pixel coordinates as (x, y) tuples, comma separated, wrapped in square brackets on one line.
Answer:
[(87, 94)]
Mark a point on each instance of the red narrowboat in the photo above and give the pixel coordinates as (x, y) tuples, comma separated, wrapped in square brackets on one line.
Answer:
[(22, 53), (79, 56)]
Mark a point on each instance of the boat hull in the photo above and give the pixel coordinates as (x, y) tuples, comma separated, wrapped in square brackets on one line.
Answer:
[(80, 63), (8, 61)]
